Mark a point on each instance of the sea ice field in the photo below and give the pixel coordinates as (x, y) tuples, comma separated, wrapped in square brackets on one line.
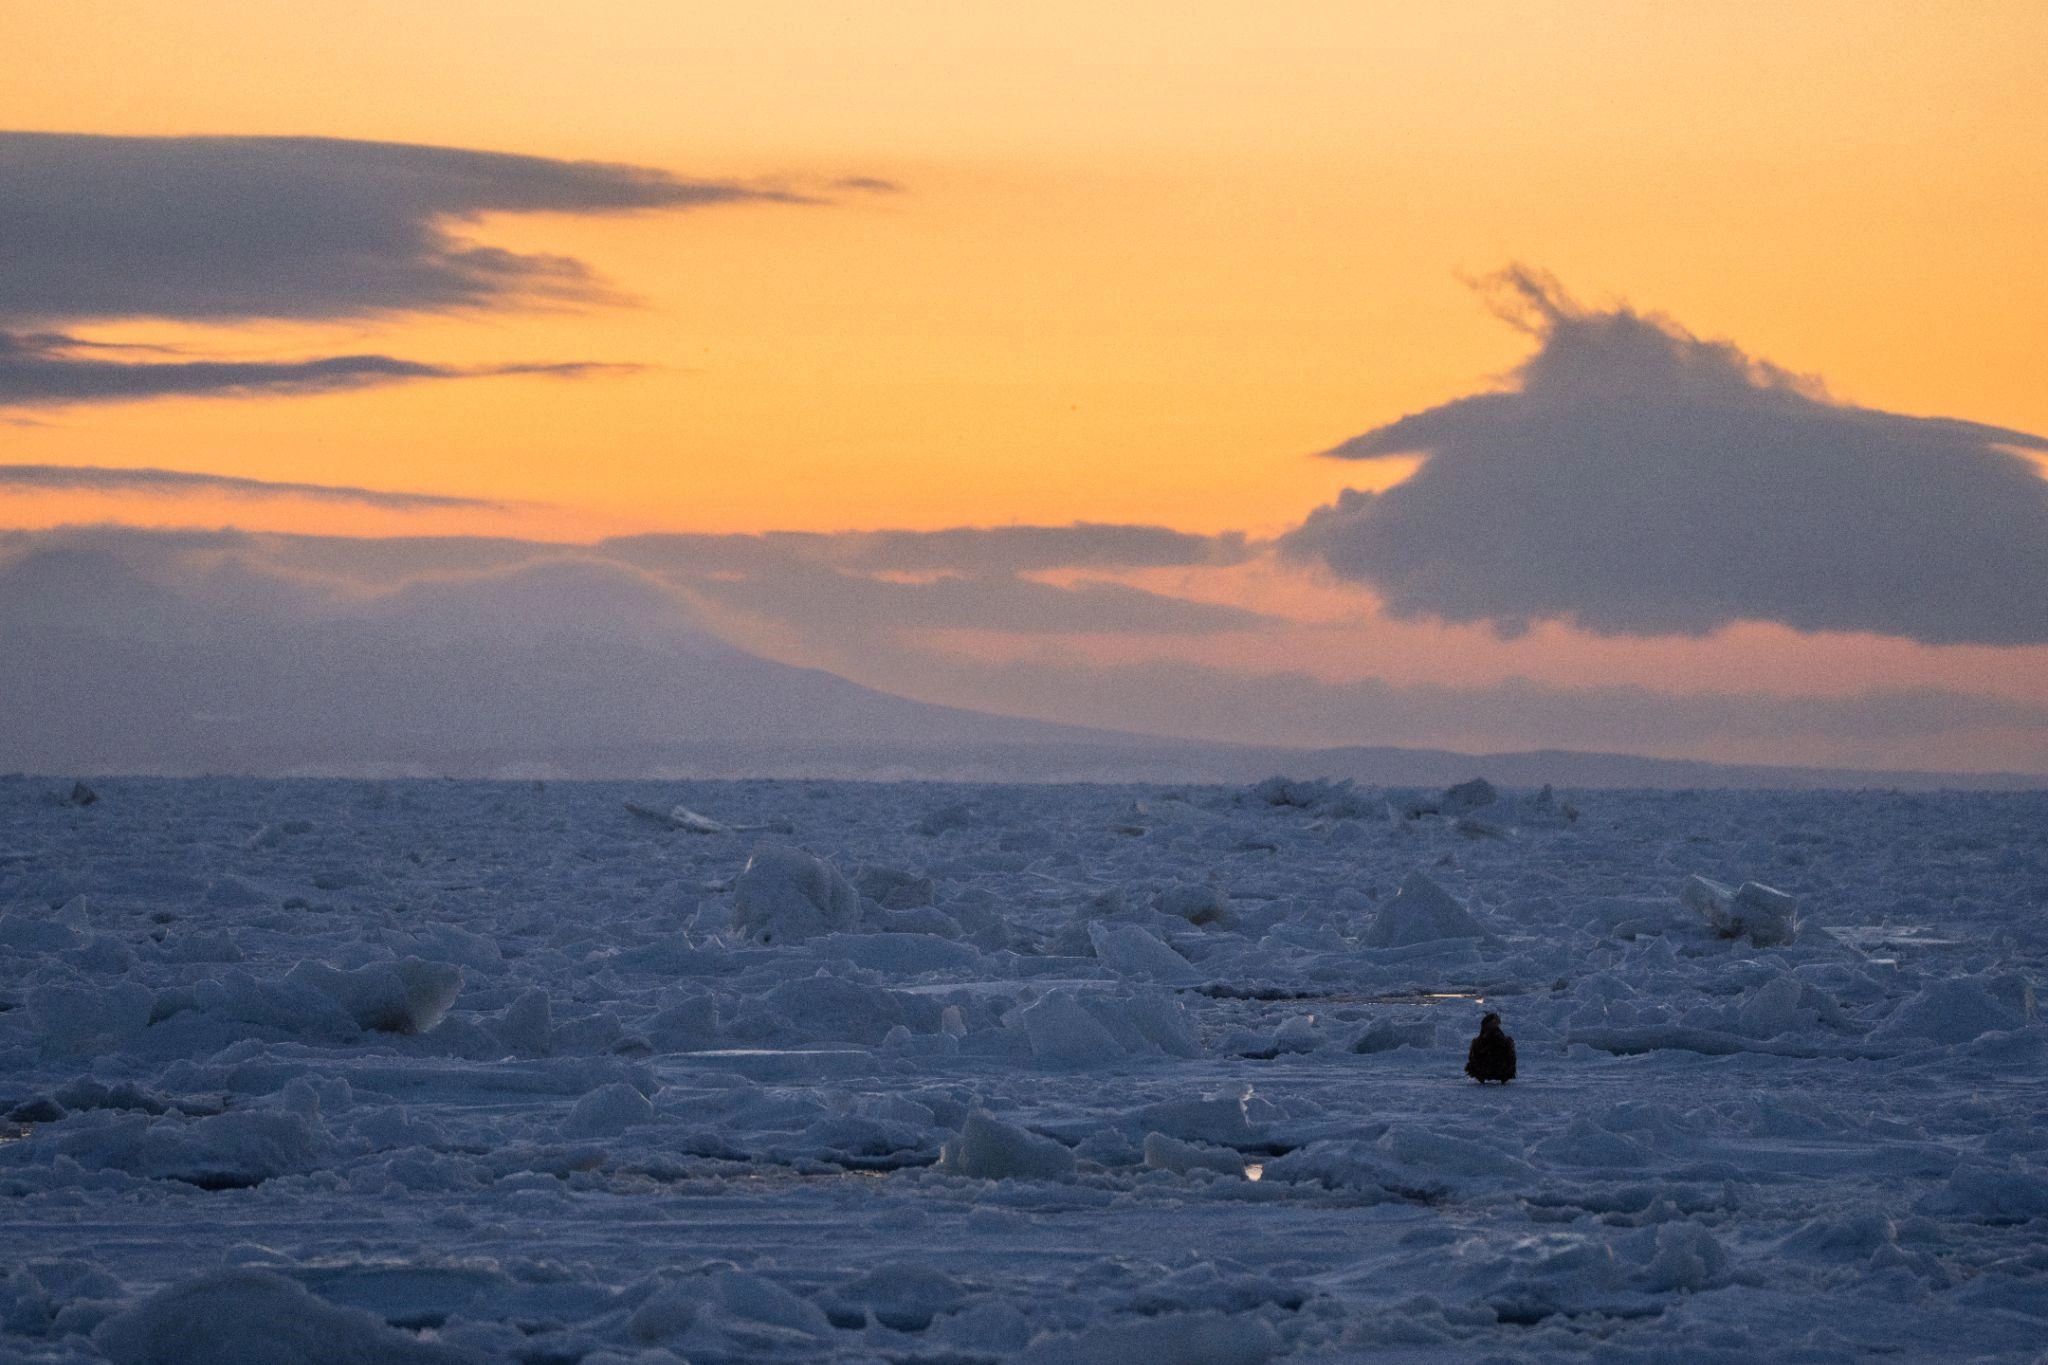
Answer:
[(906, 1072)]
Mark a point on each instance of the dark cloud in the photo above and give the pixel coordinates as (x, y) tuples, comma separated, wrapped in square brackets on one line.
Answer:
[(225, 228), (43, 370), (1635, 479), (868, 184), (101, 479)]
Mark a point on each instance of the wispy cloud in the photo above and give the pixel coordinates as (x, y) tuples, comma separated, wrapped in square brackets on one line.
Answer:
[(1635, 479), (48, 370), (178, 482)]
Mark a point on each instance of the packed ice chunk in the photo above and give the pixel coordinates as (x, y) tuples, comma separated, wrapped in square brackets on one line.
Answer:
[(1545, 811), (894, 889), (1988, 1194), (904, 1295), (830, 1007), (608, 1111), (1421, 912), (1297, 1033), (235, 893), (235, 1150), (1197, 903), (1386, 1033), (686, 1024), (1686, 1257), (237, 1317), (288, 1006), (31, 931), (1178, 1338), (1338, 799), (1447, 1154), (1851, 1235), (1171, 1154), (527, 1025), (754, 1298), (1763, 914), (786, 895), (1468, 796), (80, 1020), (1062, 1033), (895, 953), (1955, 1010), (406, 996), (1775, 1008), (989, 1149), (958, 815), (1215, 1119), (1144, 1020), (693, 822), (1131, 950)]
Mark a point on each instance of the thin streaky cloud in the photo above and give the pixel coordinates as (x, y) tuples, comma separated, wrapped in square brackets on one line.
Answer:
[(49, 370), (180, 482)]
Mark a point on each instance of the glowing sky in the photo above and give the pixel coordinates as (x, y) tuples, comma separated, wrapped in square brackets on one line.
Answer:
[(938, 265)]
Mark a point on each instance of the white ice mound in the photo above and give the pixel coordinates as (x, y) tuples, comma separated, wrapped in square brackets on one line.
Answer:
[(406, 996), (1763, 914), (608, 1111), (989, 1149), (1131, 950), (1168, 1339), (237, 1317), (786, 895), (1421, 912)]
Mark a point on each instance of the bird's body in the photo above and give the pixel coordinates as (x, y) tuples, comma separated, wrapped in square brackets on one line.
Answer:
[(1492, 1054)]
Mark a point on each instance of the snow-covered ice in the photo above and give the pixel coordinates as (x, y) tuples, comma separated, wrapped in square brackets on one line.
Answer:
[(468, 1071)]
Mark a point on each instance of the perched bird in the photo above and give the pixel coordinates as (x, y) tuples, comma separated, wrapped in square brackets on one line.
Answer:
[(1492, 1054)]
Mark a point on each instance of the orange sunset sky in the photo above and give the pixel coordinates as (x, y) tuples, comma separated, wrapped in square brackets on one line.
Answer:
[(1138, 264)]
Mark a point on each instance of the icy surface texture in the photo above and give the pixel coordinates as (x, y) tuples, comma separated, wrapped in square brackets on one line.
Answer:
[(340, 1071)]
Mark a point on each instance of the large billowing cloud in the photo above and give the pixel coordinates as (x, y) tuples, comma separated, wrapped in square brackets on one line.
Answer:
[(1635, 479), (228, 229)]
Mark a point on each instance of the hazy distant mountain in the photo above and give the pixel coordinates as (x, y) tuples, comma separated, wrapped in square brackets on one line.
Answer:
[(575, 669)]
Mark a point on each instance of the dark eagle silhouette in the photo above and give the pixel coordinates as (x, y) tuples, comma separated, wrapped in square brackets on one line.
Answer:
[(1492, 1055)]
